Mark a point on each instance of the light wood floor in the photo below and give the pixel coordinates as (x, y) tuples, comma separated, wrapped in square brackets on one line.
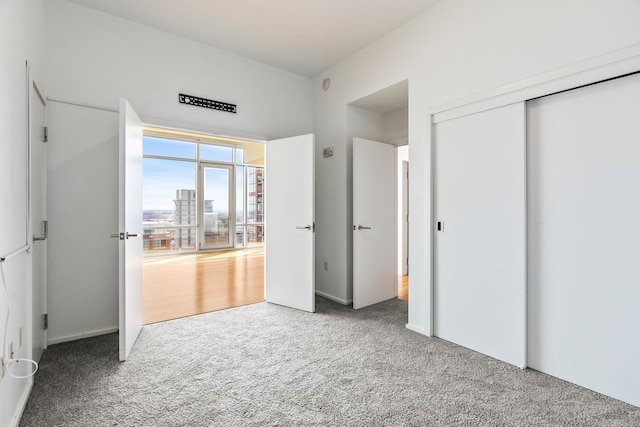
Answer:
[(403, 288), (177, 286), (185, 285)]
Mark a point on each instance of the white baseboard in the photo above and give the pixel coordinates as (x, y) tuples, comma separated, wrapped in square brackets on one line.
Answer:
[(417, 329), (75, 337), (15, 420), (332, 298)]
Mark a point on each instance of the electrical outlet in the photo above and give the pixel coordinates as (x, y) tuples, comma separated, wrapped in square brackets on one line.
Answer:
[(326, 266)]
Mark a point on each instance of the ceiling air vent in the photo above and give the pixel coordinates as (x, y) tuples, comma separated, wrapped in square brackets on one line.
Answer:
[(206, 103)]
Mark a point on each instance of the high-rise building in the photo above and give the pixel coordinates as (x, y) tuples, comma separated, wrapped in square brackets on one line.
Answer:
[(185, 214)]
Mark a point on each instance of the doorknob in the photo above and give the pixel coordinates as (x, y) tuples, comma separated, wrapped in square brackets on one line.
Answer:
[(362, 227), (306, 227), (123, 236)]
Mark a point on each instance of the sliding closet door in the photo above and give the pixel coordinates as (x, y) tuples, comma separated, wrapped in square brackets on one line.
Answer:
[(479, 254), (584, 236)]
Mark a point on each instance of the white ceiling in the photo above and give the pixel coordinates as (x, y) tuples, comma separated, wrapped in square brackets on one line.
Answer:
[(303, 36)]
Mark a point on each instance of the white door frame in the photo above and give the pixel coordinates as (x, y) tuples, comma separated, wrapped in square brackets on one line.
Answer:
[(37, 224), (403, 218)]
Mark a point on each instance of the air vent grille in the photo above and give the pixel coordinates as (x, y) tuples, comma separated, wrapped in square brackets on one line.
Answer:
[(206, 103)]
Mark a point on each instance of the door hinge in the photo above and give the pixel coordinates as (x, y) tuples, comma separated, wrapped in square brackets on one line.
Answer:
[(45, 321), (45, 134)]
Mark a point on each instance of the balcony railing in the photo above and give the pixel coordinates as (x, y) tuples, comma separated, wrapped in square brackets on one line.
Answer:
[(163, 240)]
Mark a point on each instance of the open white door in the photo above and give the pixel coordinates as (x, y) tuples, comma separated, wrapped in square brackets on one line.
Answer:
[(130, 228), (289, 219), (38, 203), (374, 205)]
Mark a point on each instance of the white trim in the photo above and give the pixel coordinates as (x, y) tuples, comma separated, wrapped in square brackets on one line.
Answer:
[(417, 329), (162, 124), (81, 104), (430, 315), (82, 335), (22, 404), (169, 125), (332, 298), (15, 253), (602, 67), (610, 65), (525, 160), (40, 92)]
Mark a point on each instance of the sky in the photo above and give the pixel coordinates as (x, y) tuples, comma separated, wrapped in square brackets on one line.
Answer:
[(161, 180), (161, 177)]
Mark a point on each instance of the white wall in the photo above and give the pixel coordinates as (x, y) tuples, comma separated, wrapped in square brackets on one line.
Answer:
[(396, 126), (94, 58), (20, 35), (457, 48)]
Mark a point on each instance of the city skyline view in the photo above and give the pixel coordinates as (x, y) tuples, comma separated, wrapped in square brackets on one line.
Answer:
[(174, 188)]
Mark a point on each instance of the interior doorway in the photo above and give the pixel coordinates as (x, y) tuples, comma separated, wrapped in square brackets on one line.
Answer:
[(402, 201), (383, 117), (203, 223)]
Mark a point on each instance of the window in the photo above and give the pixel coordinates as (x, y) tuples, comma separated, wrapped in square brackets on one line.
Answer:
[(216, 153), (177, 214)]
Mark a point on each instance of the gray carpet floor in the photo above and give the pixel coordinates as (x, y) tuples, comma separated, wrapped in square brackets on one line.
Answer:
[(266, 365)]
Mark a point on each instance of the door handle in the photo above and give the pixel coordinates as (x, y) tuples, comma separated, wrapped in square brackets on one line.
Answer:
[(306, 227), (362, 227), (123, 236)]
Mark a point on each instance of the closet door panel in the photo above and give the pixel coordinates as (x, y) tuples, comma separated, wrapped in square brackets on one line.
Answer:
[(479, 254), (584, 236)]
